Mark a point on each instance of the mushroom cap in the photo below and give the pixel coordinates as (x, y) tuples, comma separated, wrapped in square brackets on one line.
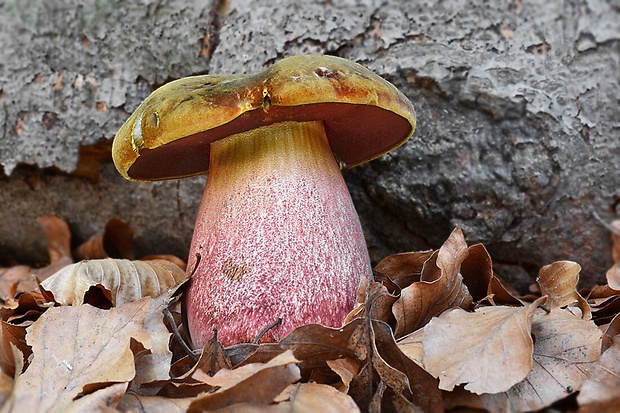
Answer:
[(169, 134)]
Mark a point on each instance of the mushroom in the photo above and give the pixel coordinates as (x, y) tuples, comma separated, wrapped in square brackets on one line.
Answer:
[(276, 235)]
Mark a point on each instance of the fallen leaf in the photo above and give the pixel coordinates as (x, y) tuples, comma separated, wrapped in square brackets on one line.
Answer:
[(558, 281), (253, 383), (314, 344), (411, 346), (153, 404), (565, 348), (312, 397), (477, 271), (155, 364), (490, 349), (613, 275), (601, 391), (121, 281), (12, 337), (77, 351), (410, 384), (115, 241), (100, 400), (403, 269), (58, 237), (440, 287), (346, 368)]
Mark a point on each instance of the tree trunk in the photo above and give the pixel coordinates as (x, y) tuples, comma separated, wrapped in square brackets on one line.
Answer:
[(518, 134)]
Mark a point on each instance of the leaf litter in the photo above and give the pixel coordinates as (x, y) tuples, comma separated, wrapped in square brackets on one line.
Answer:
[(435, 331)]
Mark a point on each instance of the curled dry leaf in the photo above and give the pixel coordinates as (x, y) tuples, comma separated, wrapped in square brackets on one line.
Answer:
[(601, 390), (155, 364), (12, 337), (440, 287), (122, 281), (58, 237), (411, 386), (258, 383), (558, 281), (477, 271), (490, 349), (613, 275), (115, 241), (565, 348), (346, 369), (77, 351)]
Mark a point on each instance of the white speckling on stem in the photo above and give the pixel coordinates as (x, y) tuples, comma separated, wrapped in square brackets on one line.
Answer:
[(277, 235)]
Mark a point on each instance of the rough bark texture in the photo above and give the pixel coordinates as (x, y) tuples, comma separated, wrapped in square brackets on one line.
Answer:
[(518, 134)]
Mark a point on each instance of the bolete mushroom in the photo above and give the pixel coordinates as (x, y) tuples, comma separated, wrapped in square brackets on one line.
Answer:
[(276, 235)]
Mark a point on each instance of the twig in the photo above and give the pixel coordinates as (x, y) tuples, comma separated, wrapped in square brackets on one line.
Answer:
[(177, 335), (266, 329)]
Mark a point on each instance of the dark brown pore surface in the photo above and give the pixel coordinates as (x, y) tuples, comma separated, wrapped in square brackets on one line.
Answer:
[(356, 134)]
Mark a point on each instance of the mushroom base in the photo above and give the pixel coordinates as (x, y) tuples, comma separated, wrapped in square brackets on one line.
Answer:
[(276, 236)]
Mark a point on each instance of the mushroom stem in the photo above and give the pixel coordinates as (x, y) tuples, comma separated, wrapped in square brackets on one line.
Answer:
[(277, 235)]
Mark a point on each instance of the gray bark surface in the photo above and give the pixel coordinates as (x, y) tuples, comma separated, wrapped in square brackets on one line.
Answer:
[(518, 138)]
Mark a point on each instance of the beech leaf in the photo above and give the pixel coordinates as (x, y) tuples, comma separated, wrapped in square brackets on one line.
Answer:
[(440, 287), (77, 351), (558, 281), (312, 397), (490, 349), (122, 281), (565, 348), (601, 390), (258, 383)]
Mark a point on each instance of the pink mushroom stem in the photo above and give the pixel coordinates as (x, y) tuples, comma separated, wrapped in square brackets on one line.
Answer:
[(276, 236)]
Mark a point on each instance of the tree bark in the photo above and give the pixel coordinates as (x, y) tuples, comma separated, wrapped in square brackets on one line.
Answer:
[(518, 132)]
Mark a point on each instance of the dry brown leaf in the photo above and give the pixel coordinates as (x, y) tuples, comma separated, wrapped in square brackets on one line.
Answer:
[(253, 383), (613, 277), (16, 279), (115, 241), (13, 337), (346, 368), (403, 269), (155, 364), (172, 258), (490, 349), (314, 344), (312, 398), (6, 386), (123, 281), (153, 404), (440, 287), (558, 281), (100, 401), (412, 387), (565, 348), (601, 390), (58, 237), (411, 346), (477, 271), (77, 351)]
